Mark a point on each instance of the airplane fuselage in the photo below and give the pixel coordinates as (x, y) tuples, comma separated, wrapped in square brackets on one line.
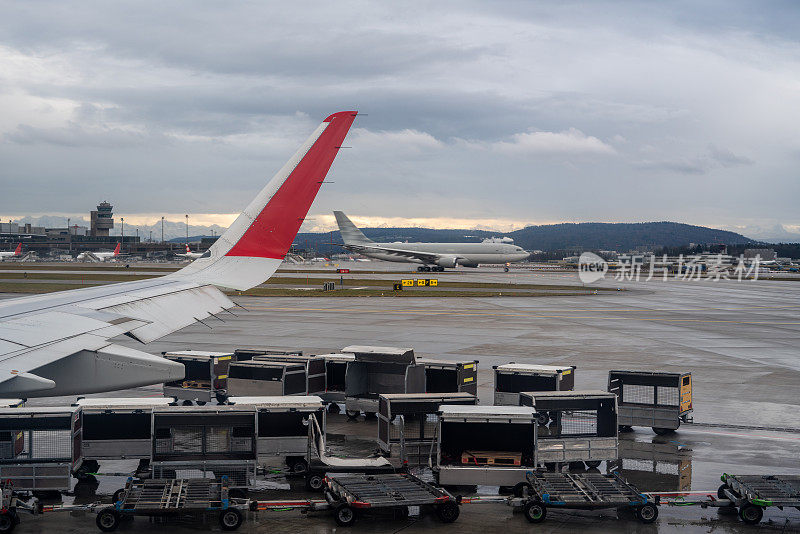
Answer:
[(467, 253)]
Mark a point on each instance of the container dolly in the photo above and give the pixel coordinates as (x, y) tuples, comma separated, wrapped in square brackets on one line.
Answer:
[(351, 493), (172, 497), (751, 494), (583, 491)]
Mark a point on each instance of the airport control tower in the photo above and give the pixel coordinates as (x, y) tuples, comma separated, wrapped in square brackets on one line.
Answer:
[(102, 220)]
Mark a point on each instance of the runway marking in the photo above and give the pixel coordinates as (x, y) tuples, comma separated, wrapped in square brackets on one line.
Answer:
[(529, 315)]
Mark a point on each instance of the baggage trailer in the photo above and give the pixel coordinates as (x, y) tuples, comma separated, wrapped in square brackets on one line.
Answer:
[(656, 399), (40, 447), (585, 491), (314, 369), (513, 378), (206, 377), (283, 426), (335, 373), (260, 379), (574, 426), (485, 445), (350, 494), (751, 494), (376, 370), (174, 498), (407, 423), (116, 429), (198, 441), (445, 376)]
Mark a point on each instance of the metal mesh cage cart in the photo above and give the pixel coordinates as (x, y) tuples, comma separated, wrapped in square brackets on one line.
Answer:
[(259, 378), (206, 377), (445, 376), (659, 400), (314, 369), (195, 442), (40, 447), (407, 423), (574, 426), (283, 426), (512, 378), (376, 370), (485, 445)]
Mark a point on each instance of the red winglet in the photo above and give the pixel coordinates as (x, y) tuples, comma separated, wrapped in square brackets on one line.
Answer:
[(272, 232), (116, 250), (18, 250)]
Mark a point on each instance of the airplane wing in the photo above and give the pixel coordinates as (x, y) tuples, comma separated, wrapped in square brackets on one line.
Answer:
[(60, 343), (425, 257)]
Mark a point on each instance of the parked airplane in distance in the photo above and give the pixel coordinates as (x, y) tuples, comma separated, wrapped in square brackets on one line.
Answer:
[(12, 254), (61, 343), (190, 255), (99, 256), (432, 256)]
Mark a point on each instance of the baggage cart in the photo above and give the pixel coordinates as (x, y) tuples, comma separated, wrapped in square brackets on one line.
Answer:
[(335, 372), (407, 423), (660, 467), (206, 377), (116, 429), (203, 441), (585, 491), (314, 369), (445, 376), (513, 378), (464, 431), (752, 494), (283, 426), (40, 447), (376, 370), (574, 426), (261, 379), (350, 494), (659, 400), (174, 498)]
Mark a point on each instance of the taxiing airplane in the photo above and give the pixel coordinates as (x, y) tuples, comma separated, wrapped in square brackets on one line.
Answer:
[(99, 256), (432, 256), (191, 255), (61, 343), (13, 254)]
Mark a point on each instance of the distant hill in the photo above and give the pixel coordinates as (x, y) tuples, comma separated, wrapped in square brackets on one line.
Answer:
[(585, 236)]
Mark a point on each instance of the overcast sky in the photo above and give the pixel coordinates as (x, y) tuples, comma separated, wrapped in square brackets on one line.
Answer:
[(490, 114)]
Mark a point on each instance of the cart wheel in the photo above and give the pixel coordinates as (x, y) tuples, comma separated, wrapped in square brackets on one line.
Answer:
[(107, 520), (663, 431), (352, 414), (201, 403), (576, 466), (592, 464), (118, 495), (334, 408), (299, 466), (535, 511), (221, 399), (230, 519), (647, 513), (344, 515), (8, 520), (522, 489), (186, 403), (448, 512), (721, 491), (314, 482), (751, 514), (542, 418)]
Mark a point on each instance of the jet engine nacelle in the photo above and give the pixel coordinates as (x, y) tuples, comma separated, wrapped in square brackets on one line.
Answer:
[(464, 263)]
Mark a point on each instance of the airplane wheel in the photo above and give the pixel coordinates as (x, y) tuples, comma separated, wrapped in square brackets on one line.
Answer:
[(420, 269)]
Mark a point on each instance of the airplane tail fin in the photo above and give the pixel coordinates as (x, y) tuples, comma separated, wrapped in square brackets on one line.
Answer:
[(18, 250), (116, 249), (351, 235), (253, 247), (188, 250)]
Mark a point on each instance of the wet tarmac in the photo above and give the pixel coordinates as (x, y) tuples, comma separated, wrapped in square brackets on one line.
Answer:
[(739, 339)]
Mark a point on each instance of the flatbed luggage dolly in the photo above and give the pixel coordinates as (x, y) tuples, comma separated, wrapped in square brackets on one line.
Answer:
[(751, 494), (585, 491), (351, 493), (172, 498)]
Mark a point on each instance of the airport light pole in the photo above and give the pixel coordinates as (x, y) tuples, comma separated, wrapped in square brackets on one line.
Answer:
[(187, 229), (69, 235), (122, 235), (162, 230)]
